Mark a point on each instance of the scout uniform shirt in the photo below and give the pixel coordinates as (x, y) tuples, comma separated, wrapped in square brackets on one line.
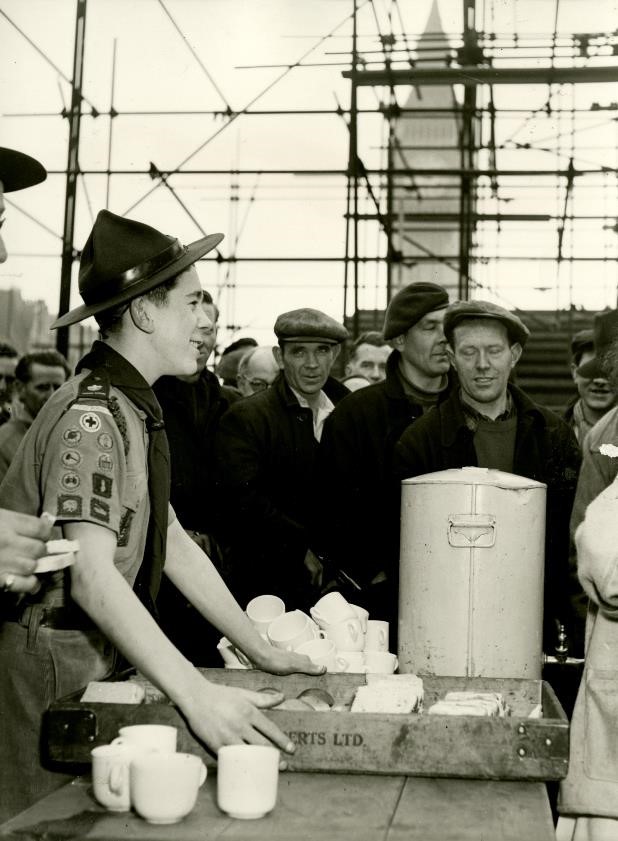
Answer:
[(85, 460)]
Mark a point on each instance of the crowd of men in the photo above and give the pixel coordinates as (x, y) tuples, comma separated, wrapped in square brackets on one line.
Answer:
[(281, 478)]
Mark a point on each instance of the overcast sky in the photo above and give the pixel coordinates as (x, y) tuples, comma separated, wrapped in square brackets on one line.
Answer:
[(261, 215)]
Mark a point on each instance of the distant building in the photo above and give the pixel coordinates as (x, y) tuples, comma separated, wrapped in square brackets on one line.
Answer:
[(25, 324), (416, 200)]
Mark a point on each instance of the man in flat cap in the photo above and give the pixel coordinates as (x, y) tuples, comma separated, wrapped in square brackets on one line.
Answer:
[(595, 397), (97, 457), (355, 451), (489, 422), (22, 536), (266, 449)]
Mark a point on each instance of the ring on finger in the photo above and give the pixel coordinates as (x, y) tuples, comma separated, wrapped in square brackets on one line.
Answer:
[(8, 583)]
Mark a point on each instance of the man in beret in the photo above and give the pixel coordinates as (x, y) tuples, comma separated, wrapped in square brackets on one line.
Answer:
[(97, 457), (595, 397), (22, 536), (489, 422), (266, 450), (355, 451)]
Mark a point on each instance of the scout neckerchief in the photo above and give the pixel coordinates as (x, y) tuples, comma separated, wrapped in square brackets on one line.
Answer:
[(103, 361)]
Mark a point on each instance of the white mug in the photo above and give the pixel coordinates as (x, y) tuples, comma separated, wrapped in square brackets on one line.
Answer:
[(110, 776), (361, 614), (346, 635), (322, 652), (262, 610), (158, 738), (355, 661), (331, 609), (247, 777), (164, 786), (291, 630), (376, 636), (380, 662)]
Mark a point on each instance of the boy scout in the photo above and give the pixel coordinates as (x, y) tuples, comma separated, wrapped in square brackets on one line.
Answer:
[(97, 457)]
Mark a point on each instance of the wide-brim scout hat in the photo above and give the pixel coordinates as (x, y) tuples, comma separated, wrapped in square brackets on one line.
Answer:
[(123, 259), (605, 333), (18, 171)]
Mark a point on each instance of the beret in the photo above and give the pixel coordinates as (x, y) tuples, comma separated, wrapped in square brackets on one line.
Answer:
[(18, 170), (462, 310), (410, 304), (307, 325), (605, 331)]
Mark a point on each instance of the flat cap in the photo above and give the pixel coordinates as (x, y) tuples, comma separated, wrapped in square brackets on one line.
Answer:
[(410, 304), (307, 325), (605, 332), (461, 310), (581, 341)]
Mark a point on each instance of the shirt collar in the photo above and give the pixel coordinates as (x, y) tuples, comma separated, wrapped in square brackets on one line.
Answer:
[(324, 407)]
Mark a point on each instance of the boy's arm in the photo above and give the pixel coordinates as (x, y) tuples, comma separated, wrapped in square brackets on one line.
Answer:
[(218, 715)]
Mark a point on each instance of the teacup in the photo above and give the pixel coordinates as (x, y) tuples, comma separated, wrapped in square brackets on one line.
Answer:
[(291, 630), (159, 738), (347, 635), (376, 636), (361, 614), (331, 609), (355, 661), (164, 786), (380, 662), (247, 777), (262, 610), (110, 776), (322, 652)]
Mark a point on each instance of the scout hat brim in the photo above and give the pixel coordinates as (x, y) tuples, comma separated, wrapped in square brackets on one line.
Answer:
[(18, 171)]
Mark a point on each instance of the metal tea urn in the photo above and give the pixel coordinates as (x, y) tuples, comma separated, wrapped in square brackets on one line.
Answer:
[(471, 574)]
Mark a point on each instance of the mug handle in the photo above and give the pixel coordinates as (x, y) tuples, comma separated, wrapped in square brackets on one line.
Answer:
[(342, 664), (396, 664), (119, 740), (203, 773), (353, 630), (383, 637), (118, 777)]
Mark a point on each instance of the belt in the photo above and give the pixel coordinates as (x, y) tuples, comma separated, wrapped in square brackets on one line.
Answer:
[(61, 618)]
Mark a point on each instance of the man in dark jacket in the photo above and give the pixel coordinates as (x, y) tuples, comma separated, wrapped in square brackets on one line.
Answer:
[(358, 517), (266, 450), (192, 408), (489, 423)]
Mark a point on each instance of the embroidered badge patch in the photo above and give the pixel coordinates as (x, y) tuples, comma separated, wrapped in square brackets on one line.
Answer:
[(72, 436), (69, 505), (124, 529), (99, 510), (102, 485), (105, 440), (71, 458), (90, 422), (70, 481), (105, 462)]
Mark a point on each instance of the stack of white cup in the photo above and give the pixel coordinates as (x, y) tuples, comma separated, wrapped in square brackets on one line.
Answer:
[(337, 634), (141, 768)]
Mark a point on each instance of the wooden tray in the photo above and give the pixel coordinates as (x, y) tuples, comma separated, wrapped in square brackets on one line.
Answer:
[(512, 748)]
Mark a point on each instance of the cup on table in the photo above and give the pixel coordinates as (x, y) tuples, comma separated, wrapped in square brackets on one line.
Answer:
[(346, 635), (232, 658), (322, 652), (376, 636), (110, 776), (262, 610), (380, 662), (247, 777), (361, 614), (152, 738), (355, 661), (331, 609), (291, 630), (164, 787)]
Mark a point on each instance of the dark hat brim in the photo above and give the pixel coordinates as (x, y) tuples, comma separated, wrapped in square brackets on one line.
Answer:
[(591, 370), (18, 170), (193, 252)]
